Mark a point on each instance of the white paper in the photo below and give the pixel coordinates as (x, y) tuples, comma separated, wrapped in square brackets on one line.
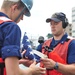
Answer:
[(41, 55)]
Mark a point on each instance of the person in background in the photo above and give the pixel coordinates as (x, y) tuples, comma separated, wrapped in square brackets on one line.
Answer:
[(60, 49), (40, 41), (12, 11)]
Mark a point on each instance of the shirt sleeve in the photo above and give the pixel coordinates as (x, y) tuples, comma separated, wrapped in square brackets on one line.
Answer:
[(39, 48), (11, 44), (71, 52)]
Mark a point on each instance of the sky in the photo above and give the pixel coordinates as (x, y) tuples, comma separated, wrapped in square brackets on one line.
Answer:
[(41, 10)]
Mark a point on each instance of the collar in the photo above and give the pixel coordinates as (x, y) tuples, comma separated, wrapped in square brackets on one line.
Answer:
[(63, 39), (2, 14)]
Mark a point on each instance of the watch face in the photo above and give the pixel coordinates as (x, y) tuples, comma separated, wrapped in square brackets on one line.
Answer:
[(56, 66)]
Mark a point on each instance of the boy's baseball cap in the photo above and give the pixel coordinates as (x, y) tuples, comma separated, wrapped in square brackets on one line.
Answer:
[(28, 4), (57, 17)]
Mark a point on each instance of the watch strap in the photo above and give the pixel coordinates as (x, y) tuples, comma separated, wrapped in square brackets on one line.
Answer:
[(56, 66)]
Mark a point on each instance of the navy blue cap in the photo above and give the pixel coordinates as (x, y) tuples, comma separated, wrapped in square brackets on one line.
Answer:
[(57, 17)]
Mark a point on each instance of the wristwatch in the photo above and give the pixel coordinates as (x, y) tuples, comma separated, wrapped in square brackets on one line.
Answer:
[(56, 66)]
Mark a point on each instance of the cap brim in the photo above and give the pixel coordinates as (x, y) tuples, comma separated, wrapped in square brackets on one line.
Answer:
[(28, 12), (54, 19)]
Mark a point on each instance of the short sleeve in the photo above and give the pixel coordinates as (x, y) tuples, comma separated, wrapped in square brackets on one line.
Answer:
[(11, 43), (71, 52)]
